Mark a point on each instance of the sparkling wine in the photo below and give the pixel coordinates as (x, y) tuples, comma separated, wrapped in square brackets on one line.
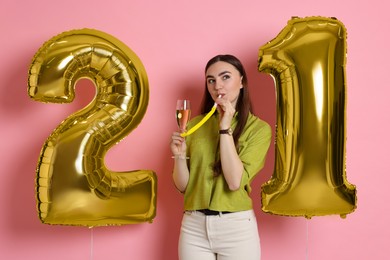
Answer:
[(182, 117)]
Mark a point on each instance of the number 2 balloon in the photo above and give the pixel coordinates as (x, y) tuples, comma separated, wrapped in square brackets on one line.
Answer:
[(74, 187)]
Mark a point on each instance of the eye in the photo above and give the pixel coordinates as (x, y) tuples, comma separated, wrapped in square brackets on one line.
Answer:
[(225, 77), (211, 81)]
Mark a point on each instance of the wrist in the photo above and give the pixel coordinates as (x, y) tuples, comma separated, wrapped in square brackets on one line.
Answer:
[(179, 157)]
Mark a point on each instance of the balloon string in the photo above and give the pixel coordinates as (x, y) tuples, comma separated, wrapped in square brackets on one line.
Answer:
[(91, 256), (307, 239), (201, 122)]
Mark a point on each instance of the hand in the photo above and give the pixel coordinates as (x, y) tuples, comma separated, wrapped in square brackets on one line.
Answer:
[(226, 112), (178, 144)]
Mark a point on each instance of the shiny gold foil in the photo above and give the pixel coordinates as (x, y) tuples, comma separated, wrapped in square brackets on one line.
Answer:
[(307, 61), (73, 185)]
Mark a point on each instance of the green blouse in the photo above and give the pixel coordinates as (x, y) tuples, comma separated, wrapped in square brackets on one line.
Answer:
[(204, 191)]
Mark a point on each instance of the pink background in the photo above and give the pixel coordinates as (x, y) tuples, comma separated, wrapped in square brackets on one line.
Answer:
[(174, 39)]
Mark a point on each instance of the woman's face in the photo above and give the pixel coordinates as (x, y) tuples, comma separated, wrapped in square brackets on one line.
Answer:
[(224, 79)]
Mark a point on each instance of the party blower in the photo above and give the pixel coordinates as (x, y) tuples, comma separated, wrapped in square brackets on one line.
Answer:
[(201, 122)]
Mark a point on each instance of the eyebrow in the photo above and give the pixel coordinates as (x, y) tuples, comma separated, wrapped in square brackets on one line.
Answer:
[(220, 74)]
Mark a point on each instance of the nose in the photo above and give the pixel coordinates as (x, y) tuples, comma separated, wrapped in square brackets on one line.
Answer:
[(218, 84)]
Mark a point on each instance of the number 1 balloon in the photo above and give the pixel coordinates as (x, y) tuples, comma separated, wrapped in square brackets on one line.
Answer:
[(307, 62), (74, 187)]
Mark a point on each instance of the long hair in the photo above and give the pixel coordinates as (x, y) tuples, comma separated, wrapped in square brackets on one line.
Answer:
[(243, 106)]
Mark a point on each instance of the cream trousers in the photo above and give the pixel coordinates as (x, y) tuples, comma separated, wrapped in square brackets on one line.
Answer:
[(232, 236)]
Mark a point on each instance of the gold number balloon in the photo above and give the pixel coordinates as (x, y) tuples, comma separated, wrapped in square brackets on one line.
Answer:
[(307, 62), (73, 185)]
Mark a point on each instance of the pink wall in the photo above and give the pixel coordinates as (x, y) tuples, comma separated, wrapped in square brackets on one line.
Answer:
[(174, 39)]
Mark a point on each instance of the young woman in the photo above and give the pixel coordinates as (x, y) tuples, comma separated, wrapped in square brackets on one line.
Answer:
[(215, 166)]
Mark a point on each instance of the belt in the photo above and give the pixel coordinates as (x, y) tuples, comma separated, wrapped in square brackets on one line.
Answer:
[(209, 212)]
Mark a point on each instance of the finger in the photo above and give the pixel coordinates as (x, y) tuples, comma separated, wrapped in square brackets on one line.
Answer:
[(178, 139)]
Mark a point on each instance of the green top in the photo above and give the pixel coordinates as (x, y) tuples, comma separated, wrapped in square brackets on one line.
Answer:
[(204, 191)]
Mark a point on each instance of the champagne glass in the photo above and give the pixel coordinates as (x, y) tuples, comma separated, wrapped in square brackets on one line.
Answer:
[(183, 113)]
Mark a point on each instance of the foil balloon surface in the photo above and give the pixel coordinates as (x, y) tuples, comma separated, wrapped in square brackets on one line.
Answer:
[(307, 61), (73, 185)]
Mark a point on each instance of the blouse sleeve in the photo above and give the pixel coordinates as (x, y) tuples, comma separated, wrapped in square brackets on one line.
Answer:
[(253, 150)]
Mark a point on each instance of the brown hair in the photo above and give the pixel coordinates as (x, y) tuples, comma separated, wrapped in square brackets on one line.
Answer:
[(243, 106)]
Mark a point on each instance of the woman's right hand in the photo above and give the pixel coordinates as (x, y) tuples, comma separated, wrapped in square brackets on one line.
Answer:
[(180, 172), (178, 145)]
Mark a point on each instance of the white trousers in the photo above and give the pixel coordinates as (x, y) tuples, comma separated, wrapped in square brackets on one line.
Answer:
[(232, 236)]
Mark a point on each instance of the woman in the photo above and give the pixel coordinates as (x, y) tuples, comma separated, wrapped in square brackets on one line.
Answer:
[(215, 166)]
